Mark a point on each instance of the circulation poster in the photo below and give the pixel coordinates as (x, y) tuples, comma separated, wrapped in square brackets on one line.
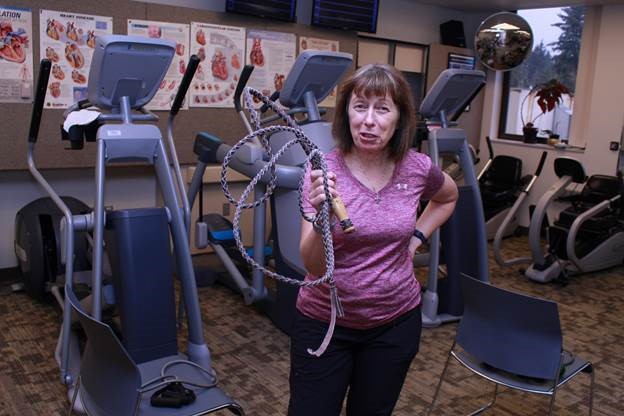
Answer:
[(221, 50), (317, 44), (272, 54), (16, 55), (68, 39), (179, 33)]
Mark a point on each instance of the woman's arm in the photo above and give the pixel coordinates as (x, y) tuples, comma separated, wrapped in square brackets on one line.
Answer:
[(439, 209), (311, 243)]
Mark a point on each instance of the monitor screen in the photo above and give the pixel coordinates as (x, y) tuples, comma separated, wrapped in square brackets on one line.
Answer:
[(269, 9), (356, 15)]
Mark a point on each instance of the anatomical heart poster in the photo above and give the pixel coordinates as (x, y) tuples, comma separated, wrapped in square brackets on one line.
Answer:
[(221, 50), (179, 33), (16, 55), (272, 54), (67, 39)]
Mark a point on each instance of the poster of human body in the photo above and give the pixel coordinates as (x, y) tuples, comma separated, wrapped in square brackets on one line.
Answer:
[(67, 39), (272, 54), (179, 33), (16, 55), (317, 44), (221, 50)]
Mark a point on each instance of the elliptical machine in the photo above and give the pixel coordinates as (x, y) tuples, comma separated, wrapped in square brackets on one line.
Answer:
[(502, 184), (511, 217), (125, 73), (588, 236), (463, 237), (311, 79)]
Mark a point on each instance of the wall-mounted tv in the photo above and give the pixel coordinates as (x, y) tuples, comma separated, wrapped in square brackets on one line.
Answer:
[(356, 15), (269, 9)]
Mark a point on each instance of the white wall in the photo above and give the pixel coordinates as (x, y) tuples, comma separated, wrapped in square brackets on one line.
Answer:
[(409, 21), (599, 123)]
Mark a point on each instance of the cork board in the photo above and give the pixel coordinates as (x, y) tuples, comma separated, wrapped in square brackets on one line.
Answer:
[(222, 122)]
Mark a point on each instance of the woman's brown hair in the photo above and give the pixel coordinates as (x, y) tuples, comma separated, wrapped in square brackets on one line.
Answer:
[(376, 80)]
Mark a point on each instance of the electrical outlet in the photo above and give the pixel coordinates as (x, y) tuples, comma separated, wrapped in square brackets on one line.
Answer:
[(225, 210), (614, 146)]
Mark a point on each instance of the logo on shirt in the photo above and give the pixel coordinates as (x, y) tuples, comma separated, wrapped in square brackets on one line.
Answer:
[(401, 186)]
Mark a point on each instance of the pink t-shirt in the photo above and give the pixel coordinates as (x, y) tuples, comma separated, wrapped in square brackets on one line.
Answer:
[(373, 271)]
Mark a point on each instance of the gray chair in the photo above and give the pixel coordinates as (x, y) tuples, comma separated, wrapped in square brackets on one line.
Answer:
[(110, 383), (513, 340)]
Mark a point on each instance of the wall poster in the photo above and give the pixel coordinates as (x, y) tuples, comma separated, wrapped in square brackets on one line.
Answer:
[(272, 54), (221, 50), (68, 39), (16, 55), (179, 33)]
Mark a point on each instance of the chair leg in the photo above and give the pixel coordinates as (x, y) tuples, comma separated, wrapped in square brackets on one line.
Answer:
[(435, 395), (552, 401), (137, 404), (236, 409), (591, 390), (487, 406), (74, 397)]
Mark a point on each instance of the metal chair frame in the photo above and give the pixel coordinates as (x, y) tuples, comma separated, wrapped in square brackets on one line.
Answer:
[(474, 349)]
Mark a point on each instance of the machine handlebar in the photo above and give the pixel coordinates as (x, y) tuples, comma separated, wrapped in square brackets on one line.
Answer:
[(184, 85), (273, 97), (40, 93), (540, 166), (242, 82), (489, 145)]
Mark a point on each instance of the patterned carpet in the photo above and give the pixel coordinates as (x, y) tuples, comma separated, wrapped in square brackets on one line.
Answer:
[(251, 356)]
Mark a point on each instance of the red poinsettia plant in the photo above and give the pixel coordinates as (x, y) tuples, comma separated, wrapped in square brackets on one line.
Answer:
[(548, 95)]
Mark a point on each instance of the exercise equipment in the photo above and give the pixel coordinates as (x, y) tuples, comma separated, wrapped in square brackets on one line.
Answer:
[(311, 79), (501, 183), (38, 245), (511, 217), (463, 237), (217, 231), (125, 73), (587, 236)]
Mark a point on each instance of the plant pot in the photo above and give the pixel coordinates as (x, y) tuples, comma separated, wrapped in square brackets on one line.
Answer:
[(530, 134)]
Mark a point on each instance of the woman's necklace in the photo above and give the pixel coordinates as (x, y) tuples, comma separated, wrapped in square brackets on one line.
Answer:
[(378, 181)]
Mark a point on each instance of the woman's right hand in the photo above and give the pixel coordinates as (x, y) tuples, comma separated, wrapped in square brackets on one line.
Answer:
[(317, 191)]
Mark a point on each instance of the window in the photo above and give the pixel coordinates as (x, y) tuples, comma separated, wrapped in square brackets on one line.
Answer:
[(556, 46)]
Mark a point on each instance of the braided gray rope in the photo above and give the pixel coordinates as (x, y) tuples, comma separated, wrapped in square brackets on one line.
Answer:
[(317, 160)]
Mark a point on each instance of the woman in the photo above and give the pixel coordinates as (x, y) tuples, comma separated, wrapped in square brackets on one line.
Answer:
[(381, 181)]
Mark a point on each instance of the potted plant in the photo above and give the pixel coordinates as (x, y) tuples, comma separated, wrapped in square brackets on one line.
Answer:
[(548, 95)]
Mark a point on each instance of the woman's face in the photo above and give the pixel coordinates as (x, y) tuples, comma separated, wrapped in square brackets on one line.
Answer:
[(372, 121)]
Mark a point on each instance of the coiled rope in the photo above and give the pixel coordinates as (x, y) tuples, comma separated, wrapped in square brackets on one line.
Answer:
[(322, 219)]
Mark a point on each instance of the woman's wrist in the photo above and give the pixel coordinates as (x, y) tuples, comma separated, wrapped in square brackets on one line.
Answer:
[(419, 235)]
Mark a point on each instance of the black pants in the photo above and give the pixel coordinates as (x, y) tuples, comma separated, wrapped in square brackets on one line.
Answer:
[(371, 363)]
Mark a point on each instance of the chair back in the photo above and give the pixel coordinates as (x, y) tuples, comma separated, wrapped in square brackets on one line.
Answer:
[(510, 331), (600, 187), (505, 171), (110, 380)]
